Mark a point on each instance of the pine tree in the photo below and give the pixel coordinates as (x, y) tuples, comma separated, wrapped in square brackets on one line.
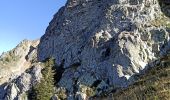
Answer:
[(45, 89)]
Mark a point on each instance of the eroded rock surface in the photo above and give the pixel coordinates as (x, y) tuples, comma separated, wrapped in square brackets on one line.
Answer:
[(104, 41), (19, 71), (17, 88), (16, 61)]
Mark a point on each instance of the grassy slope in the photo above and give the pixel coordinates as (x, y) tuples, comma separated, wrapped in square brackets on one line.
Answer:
[(155, 85)]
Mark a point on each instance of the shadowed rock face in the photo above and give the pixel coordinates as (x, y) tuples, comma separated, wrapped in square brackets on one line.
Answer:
[(165, 1), (111, 40), (165, 7)]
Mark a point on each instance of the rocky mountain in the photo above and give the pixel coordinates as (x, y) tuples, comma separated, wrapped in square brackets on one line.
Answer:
[(99, 47), (19, 70)]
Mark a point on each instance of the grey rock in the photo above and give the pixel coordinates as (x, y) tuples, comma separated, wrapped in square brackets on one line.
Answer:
[(19, 86), (54, 98), (12, 91), (108, 40)]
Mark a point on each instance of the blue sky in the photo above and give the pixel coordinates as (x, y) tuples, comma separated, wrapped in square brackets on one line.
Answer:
[(25, 19)]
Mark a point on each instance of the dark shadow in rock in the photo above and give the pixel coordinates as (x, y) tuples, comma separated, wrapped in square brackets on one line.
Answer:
[(75, 65), (30, 50), (96, 83), (165, 7), (59, 70)]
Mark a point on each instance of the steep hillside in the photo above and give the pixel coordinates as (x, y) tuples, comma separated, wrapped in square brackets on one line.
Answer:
[(19, 70), (153, 85), (16, 61)]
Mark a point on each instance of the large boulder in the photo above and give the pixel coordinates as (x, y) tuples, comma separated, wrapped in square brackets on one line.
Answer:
[(17, 88)]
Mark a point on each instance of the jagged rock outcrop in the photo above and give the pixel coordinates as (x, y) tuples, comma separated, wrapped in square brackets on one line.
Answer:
[(16, 61), (102, 43), (17, 88), (19, 71), (153, 84)]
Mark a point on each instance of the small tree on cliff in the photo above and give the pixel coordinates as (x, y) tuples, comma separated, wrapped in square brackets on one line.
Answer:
[(45, 89)]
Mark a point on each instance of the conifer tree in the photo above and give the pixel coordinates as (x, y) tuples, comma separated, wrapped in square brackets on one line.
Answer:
[(45, 89)]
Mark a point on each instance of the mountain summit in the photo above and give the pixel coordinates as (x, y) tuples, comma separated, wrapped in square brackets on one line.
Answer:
[(99, 46)]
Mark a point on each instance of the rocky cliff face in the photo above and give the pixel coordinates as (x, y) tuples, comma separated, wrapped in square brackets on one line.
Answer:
[(102, 43), (98, 47)]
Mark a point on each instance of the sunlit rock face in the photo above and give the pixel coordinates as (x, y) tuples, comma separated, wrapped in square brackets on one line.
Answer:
[(13, 63), (19, 70), (102, 43)]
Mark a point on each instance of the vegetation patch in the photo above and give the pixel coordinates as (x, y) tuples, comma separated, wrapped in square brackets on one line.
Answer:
[(45, 89)]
